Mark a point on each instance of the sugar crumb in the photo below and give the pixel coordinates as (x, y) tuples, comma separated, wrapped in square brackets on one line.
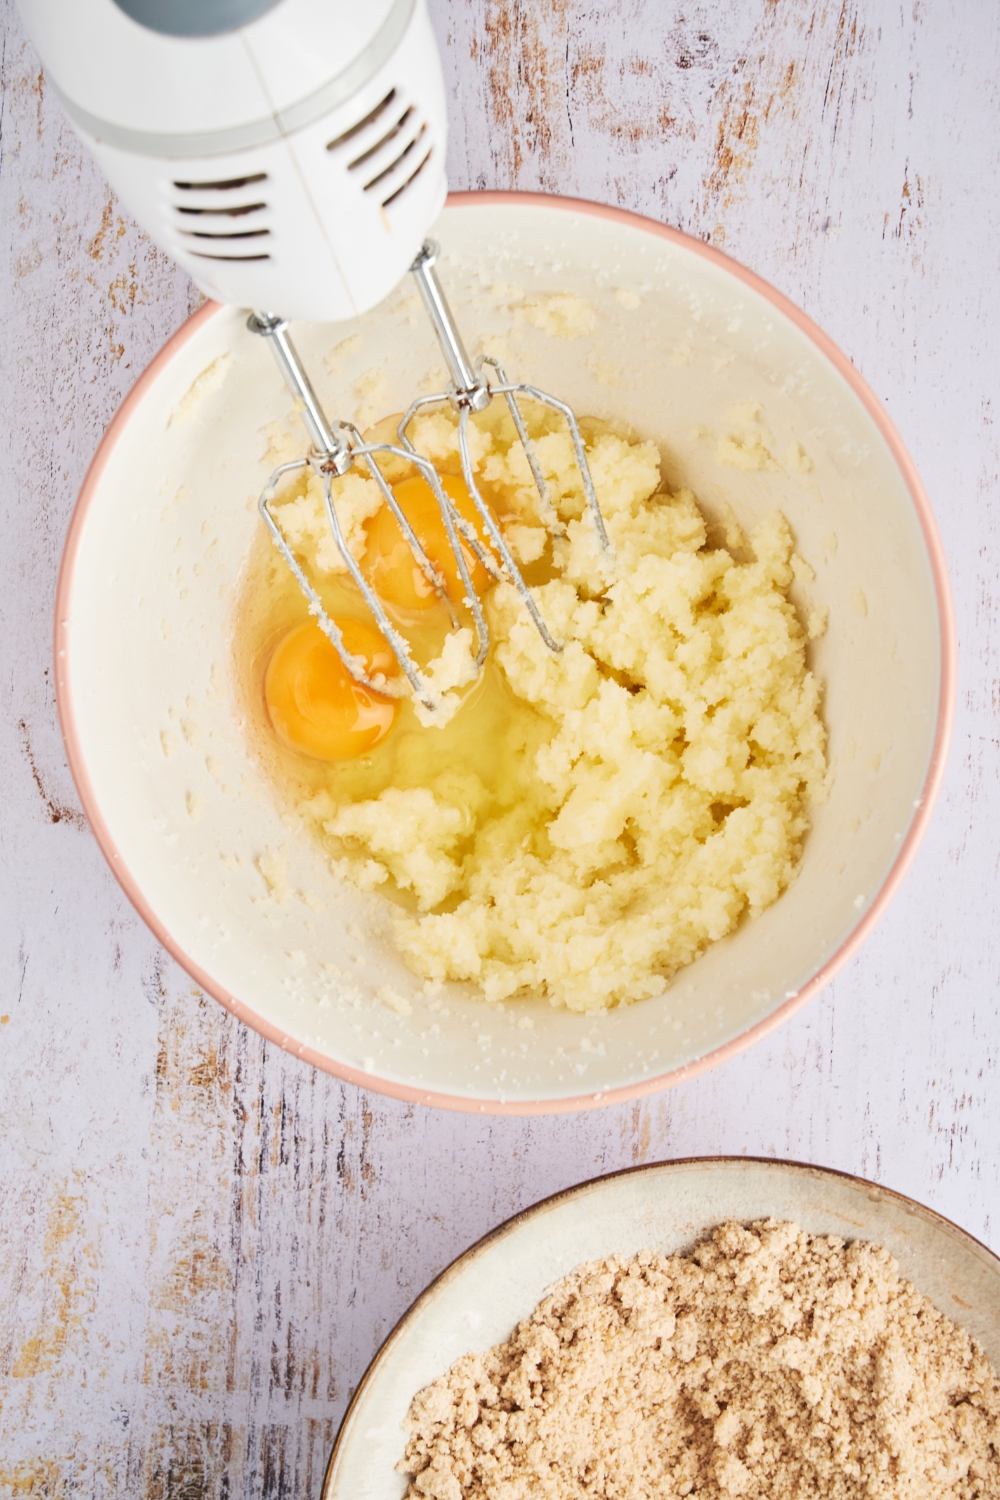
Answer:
[(746, 451), (817, 622), (273, 867), (394, 1000), (342, 351), (604, 370), (563, 315), (797, 460), (209, 380)]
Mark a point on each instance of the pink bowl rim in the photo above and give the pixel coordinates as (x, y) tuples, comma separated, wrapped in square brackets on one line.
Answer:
[(823, 976)]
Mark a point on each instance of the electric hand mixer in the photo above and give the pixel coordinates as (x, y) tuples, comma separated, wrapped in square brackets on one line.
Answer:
[(290, 154)]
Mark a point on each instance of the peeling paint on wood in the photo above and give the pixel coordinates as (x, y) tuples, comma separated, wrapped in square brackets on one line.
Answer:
[(202, 1243)]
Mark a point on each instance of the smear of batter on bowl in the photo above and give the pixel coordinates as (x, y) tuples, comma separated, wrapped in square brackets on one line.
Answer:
[(590, 820), (769, 1364), (562, 315), (209, 380)]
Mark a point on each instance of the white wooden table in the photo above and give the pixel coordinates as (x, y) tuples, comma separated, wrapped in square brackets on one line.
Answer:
[(202, 1242)]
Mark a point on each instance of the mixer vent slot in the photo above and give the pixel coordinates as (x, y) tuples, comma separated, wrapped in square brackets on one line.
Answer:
[(391, 134), (369, 119), (214, 234), (399, 136), (412, 178), (221, 187), (214, 255), (397, 161), (213, 220), (229, 213)]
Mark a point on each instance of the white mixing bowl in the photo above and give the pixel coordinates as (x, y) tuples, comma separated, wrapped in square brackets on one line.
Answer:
[(687, 346), (666, 1206)]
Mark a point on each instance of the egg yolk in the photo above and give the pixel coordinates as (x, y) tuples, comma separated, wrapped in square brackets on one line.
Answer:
[(390, 566), (314, 703)]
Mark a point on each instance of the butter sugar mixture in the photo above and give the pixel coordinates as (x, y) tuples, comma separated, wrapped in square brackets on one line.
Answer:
[(588, 821), (769, 1364)]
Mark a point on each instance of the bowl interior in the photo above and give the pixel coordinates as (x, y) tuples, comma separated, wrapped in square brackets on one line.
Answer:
[(683, 351), (668, 1207)]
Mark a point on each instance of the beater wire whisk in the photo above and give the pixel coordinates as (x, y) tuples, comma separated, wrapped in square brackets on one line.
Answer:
[(335, 450), (338, 447)]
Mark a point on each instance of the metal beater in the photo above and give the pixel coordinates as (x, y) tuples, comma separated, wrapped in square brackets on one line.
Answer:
[(337, 447)]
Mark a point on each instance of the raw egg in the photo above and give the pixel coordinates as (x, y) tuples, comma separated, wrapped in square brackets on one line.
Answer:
[(390, 566), (315, 704)]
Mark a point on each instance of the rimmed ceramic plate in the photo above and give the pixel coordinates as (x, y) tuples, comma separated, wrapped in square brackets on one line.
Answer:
[(687, 347), (667, 1206)]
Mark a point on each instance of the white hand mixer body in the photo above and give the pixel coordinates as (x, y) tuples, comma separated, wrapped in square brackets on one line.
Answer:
[(290, 154)]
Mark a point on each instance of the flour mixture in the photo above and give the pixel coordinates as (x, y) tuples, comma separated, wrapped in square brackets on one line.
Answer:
[(768, 1364)]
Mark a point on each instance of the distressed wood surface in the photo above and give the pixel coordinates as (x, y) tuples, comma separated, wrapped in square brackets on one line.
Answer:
[(202, 1242)]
